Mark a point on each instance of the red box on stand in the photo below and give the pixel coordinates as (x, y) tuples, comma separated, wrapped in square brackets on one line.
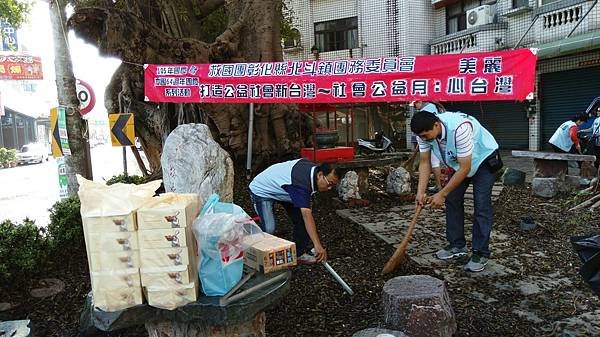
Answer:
[(331, 155)]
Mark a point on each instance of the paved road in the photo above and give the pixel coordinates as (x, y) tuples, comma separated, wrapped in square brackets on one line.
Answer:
[(30, 190)]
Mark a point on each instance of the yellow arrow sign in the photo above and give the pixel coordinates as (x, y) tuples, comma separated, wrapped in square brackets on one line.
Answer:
[(56, 148), (122, 131)]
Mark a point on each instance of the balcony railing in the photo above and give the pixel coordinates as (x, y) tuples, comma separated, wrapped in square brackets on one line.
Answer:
[(555, 24), (481, 38)]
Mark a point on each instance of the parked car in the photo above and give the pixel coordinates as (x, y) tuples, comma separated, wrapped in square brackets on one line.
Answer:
[(32, 153)]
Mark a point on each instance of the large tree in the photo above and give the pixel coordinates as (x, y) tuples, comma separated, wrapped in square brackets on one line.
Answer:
[(188, 31)]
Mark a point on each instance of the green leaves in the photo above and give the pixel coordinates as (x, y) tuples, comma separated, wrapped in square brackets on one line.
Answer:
[(15, 11)]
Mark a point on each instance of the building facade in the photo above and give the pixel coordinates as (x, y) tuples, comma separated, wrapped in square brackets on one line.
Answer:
[(566, 33)]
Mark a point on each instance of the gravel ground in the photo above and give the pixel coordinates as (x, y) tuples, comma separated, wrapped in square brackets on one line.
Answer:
[(318, 306)]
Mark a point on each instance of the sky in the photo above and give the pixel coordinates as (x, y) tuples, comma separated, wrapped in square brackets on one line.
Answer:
[(35, 38)]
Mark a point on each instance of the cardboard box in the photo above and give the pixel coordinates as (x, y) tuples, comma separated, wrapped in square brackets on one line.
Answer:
[(167, 277), (106, 261), (166, 238), (109, 299), (268, 253)]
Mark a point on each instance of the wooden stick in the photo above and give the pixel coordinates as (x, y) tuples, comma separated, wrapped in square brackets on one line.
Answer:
[(408, 164), (585, 203), (594, 206), (394, 261)]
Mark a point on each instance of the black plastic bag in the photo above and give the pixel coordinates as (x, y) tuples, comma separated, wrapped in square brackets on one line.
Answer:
[(588, 250)]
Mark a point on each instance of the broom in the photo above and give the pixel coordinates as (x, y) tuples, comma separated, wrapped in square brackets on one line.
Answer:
[(395, 260)]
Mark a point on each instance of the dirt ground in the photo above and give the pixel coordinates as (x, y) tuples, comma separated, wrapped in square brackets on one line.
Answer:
[(317, 306)]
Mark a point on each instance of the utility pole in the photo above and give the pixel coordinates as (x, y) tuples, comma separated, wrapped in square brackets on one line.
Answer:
[(79, 160)]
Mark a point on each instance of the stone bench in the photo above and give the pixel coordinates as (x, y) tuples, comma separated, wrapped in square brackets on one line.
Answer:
[(550, 171), (203, 318)]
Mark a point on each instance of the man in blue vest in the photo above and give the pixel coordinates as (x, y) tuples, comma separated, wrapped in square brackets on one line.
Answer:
[(565, 138), (291, 184), (472, 152)]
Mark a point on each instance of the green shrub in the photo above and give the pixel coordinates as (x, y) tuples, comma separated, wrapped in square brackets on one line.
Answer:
[(65, 231), (3, 156), (22, 251), (126, 179), (11, 155)]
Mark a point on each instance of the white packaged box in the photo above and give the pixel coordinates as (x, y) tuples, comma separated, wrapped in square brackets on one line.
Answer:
[(166, 238), (169, 210), (106, 261), (166, 277), (172, 297), (109, 299), (116, 279), (112, 242), (166, 257), (103, 224)]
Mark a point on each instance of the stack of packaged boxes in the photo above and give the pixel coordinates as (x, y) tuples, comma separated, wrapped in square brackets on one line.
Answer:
[(114, 261), (168, 250)]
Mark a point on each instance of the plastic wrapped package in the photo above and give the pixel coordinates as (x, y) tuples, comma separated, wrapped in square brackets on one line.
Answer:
[(219, 231), (169, 210), (171, 297), (167, 276), (106, 261)]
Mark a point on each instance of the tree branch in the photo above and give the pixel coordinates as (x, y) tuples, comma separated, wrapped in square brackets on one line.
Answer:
[(207, 7)]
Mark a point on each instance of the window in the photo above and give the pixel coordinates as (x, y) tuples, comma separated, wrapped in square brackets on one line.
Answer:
[(456, 15), (545, 2), (292, 38), (520, 3), (337, 34)]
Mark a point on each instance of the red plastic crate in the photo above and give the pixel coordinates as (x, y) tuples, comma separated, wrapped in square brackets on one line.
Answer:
[(332, 155)]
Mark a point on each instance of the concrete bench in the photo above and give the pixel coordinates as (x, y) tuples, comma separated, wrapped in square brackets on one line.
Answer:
[(550, 171), (552, 164), (204, 318)]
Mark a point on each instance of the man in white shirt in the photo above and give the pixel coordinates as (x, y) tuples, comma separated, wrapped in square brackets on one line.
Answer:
[(472, 152)]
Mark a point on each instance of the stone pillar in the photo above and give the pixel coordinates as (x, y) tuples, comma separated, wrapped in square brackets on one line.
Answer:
[(419, 306), (252, 328)]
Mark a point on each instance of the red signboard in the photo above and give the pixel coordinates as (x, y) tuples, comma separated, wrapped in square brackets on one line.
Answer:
[(20, 67), (504, 75)]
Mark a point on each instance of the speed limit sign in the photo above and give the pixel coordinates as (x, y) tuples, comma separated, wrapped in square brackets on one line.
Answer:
[(86, 97)]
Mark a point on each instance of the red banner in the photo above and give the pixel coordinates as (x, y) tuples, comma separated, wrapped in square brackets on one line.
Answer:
[(504, 75), (20, 67)]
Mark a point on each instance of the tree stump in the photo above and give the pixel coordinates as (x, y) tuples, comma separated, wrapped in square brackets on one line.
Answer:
[(375, 332), (252, 328), (418, 305)]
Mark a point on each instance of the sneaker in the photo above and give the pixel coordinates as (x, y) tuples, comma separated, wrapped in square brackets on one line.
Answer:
[(476, 263), (450, 252), (307, 258)]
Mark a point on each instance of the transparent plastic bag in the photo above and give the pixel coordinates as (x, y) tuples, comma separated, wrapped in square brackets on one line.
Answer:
[(219, 231)]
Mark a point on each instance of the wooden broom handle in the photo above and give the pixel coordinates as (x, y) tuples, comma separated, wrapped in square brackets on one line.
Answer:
[(394, 261)]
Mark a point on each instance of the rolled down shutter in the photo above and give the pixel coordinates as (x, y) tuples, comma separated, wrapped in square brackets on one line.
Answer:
[(506, 120), (564, 94)]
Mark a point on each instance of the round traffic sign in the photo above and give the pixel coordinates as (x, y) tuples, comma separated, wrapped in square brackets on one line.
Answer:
[(86, 97)]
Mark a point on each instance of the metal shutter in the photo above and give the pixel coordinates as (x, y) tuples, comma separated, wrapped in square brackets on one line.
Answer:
[(506, 120), (564, 94)]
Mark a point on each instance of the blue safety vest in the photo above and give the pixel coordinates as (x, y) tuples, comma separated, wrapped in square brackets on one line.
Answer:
[(430, 107), (562, 138), (596, 130), (484, 143)]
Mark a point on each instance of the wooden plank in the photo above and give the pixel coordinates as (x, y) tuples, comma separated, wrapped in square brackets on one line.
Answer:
[(553, 156)]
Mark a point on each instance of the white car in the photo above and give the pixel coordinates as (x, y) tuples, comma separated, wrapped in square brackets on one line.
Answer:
[(32, 153)]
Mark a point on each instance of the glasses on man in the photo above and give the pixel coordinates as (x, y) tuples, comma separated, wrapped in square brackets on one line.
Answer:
[(329, 183)]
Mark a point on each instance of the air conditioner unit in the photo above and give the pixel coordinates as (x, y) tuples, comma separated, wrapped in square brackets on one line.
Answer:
[(481, 15)]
